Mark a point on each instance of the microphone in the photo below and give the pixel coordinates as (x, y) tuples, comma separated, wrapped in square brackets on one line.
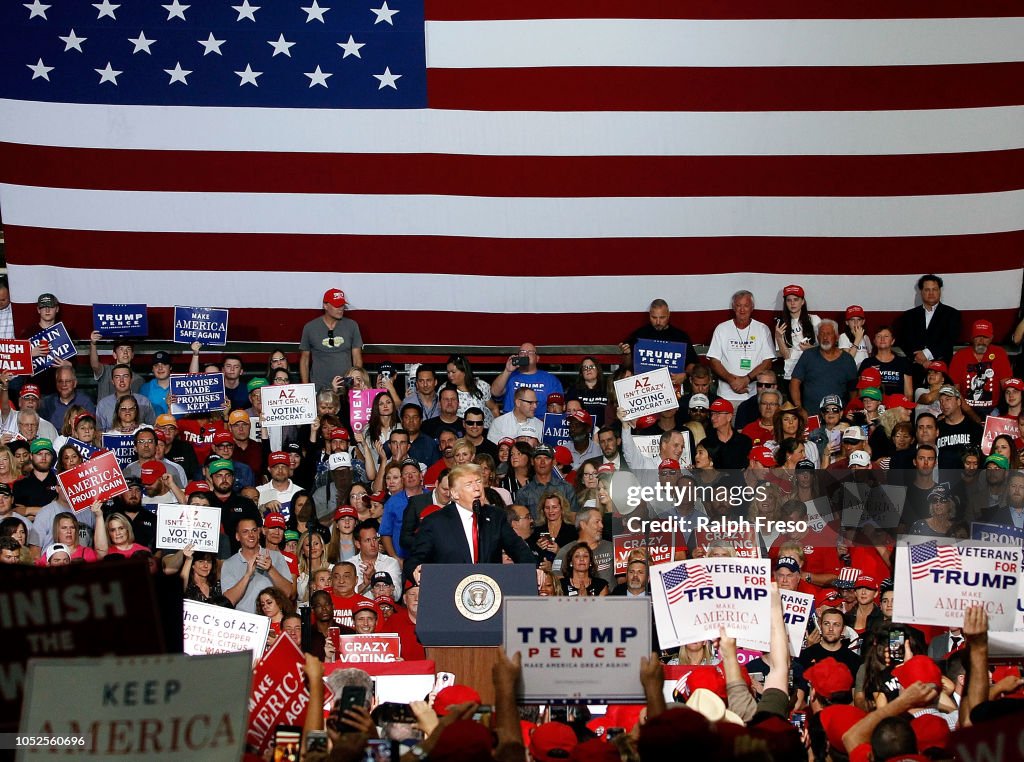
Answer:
[(476, 506)]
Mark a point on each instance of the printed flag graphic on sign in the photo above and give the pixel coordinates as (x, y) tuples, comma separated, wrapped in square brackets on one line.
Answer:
[(681, 579), (849, 574), (931, 555)]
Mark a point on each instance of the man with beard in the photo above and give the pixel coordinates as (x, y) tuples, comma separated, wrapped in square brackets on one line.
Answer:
[(448, 415), (822, 371), (1011, 512), (39, 486), (233, 507), (610, 442), (446, 444), (581, 431), (831, 644)]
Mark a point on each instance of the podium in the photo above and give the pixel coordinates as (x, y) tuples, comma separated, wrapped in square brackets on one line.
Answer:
[(461, 617)]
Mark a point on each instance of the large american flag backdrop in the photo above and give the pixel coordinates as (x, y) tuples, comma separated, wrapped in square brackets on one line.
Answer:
[(484, 173)]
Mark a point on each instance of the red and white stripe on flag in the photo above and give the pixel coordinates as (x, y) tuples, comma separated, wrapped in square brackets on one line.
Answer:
[(574, 162)]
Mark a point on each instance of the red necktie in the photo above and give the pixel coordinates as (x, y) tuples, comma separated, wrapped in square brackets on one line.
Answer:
[(476, 541)]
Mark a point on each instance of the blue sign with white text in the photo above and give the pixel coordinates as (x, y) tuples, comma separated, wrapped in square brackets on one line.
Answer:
[(1006, 535), (197, 393), (202, 324), (651, 354), (556, 430), (120, 319), (123, 447), (61, 347), (85, 449)]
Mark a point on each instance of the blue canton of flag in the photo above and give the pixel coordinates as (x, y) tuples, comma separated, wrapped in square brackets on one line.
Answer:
[(298, 53), (679, 580)]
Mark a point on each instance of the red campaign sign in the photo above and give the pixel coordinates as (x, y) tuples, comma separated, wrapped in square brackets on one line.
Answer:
[(279, 694), (373, 647), (745, 543), (99, 478), (994, 426), (360, 403), (15, 357), (1001, 739), (661, 548)]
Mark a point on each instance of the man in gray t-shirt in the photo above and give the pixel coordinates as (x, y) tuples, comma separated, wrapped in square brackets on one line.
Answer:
[(253, 569), (331, 344)]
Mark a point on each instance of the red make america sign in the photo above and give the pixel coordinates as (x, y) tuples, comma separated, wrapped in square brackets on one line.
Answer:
[(97, 479)]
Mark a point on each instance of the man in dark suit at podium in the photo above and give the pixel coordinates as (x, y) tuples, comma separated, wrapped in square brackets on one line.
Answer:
[(464, 532), (929, 331)]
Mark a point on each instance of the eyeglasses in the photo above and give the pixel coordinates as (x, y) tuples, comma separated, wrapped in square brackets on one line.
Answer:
[(473, 423), (588, 367), (129, 409), (331, 341), (529, 402), (769, 385)]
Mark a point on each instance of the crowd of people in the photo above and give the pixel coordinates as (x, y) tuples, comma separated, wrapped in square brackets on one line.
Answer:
[(325, 527)]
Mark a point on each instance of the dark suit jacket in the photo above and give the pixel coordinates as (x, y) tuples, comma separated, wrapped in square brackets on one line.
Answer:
[(441, 540), (1001, 515), (940, 336)]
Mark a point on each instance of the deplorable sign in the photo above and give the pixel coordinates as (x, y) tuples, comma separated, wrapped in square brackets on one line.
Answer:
[(15, 357), (288, 405), (576, 649), (215, 630), (937, 580), (140, 708), (97, 479), (202, 324), (693, 599), (181, 525), (197, 393), (646, 393)]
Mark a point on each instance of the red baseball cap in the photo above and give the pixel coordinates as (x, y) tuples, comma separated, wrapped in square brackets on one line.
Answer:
[(870, 378), (339, 434), (161, 437), (918, 669), (379, 497), (980, 328), (1012, 383), (345, 511), (892, 401), (506, 441), (606, 468), (581, 415), (278, 459), (1007, 670), (223, 437), (152, 470), (721, 405), (197, 486), (274, 520), (793, 290), (837, 719), (30, 390), (668, 464), (556, 397), (365, 605), (866, 582), (551, 737), (829, 676), (855, 311), (452, 695), (646, 420), (938, 365), (563, 456), (335, 297), (762, 455), (932, 732), (81, 417)]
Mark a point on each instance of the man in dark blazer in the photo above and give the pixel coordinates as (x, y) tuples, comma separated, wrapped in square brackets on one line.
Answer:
[(929, 331), (446, 536)]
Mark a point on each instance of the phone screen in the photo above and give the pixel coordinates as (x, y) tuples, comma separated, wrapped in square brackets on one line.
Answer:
[(286, 743), (896, 646)]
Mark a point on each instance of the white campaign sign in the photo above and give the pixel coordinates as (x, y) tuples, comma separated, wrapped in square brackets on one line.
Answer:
[(140, 707), (796, 612), (181, 525), (216, 630), (693, 599), (288, 405), (646, 393), (649, 445), (579, 648), (937, 580)]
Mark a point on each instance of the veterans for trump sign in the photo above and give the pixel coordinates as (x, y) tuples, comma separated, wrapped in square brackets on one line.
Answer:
[(141, 707), (197, 393), (288, 405), (178, 526), (693, 599), (202, 324), (579, 648), (16, 357), (937, 581), (646, 394), (97, 479)]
